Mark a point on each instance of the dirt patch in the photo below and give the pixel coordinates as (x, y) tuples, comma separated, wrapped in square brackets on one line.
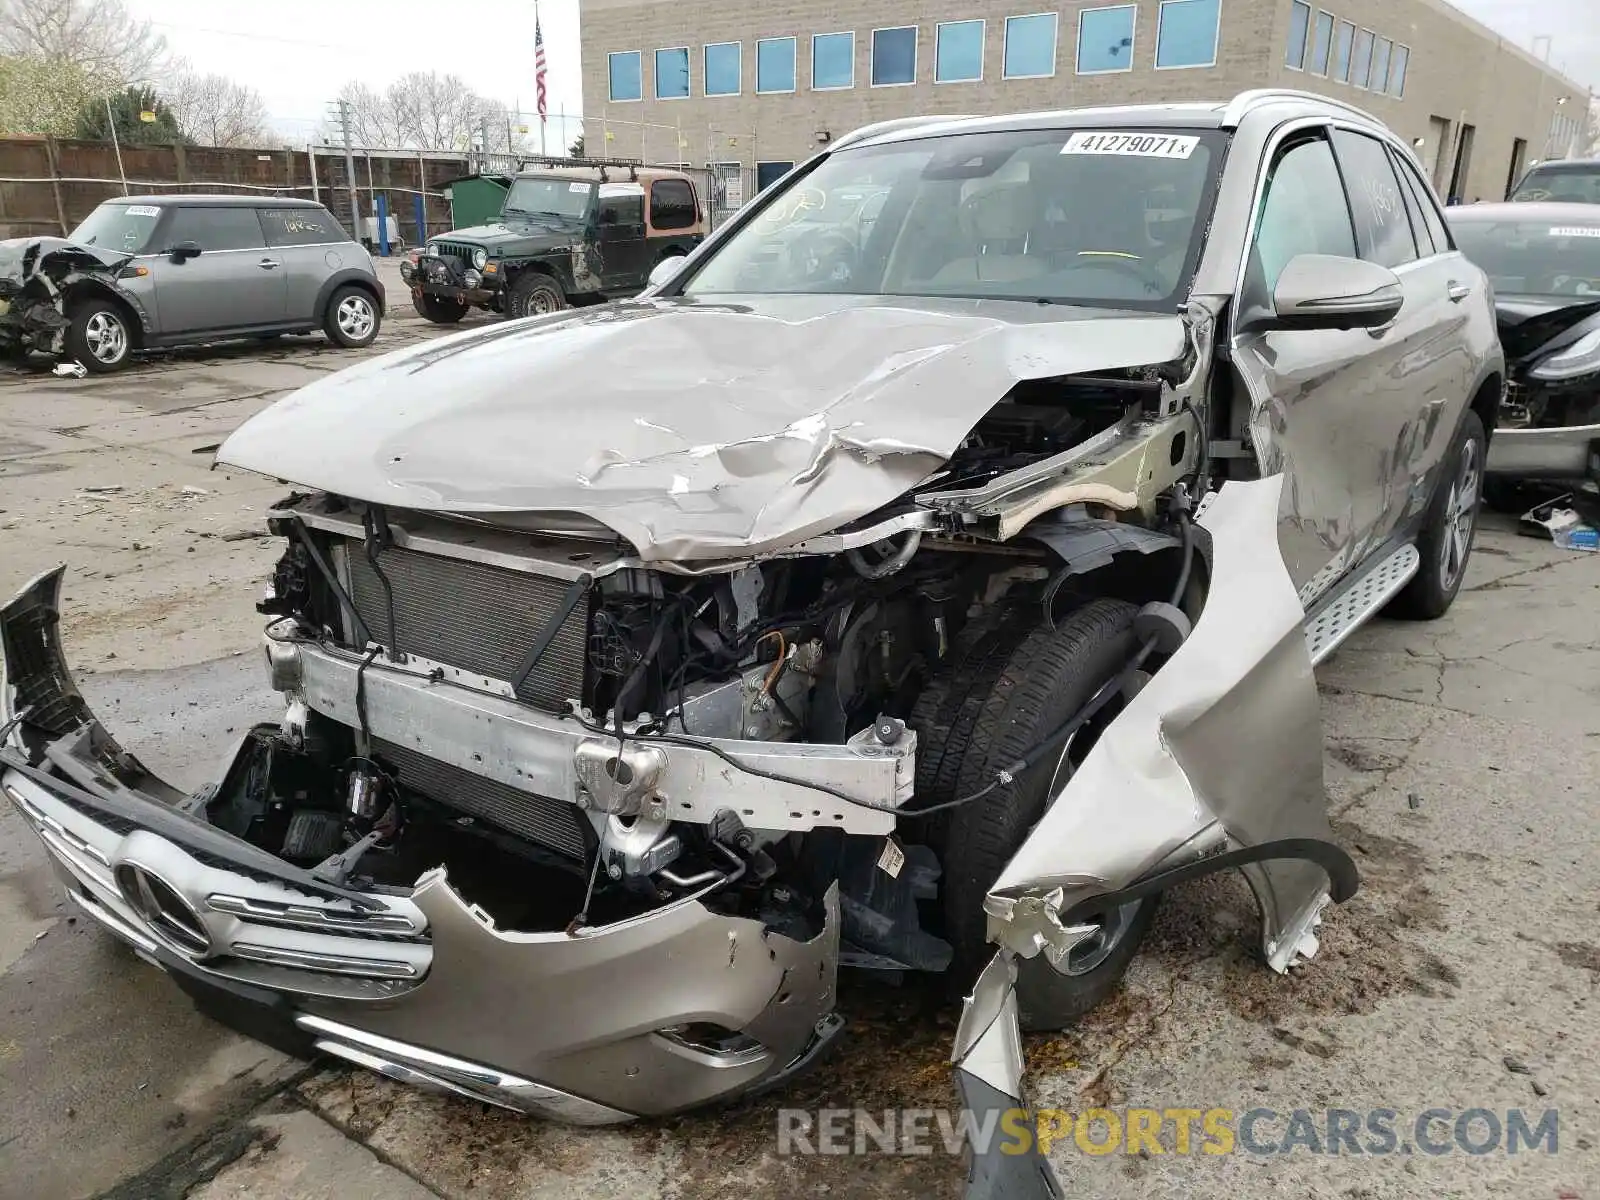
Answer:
[(1580, 955), (1363, 759)]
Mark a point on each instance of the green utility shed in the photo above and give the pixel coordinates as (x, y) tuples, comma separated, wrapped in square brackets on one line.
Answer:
[(475, 199)]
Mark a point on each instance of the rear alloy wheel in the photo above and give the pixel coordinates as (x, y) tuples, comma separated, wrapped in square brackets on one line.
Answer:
[(534, 295), (352, 319), (441, 310), (99, 336), (1446, 540)]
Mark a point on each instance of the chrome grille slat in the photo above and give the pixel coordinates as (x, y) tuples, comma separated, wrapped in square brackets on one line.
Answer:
[(552, 824), (475, 617)]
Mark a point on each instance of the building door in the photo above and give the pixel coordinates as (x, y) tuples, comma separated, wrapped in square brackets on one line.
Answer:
[(768, 173), (1519, 161), (1438, 139), (1463, 167)]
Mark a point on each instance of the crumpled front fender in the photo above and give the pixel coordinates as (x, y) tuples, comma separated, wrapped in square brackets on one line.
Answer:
[(1219, 753)]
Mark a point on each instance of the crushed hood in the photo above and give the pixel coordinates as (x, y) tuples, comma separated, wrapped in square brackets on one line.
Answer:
[(20, 257), (1529, 324), (695, 430)]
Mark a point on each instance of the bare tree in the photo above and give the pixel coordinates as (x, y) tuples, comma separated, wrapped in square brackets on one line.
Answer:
[(424, 110), (100, 36), (213, 110)]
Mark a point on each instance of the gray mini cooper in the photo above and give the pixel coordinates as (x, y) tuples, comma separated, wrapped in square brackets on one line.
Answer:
[(148, 271)]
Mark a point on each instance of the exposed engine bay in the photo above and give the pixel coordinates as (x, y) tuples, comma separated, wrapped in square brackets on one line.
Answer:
[(37, 276), (836, 670)]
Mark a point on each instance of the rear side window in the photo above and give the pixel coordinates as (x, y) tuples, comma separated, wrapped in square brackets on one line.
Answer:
[(1432, 227), (301, 226), (622, 206), (672, 204), (1383, 230), (233, 227), (1302, 212)]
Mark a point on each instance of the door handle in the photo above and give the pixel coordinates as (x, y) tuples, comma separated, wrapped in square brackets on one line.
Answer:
[(1458, 291), (267, 264)]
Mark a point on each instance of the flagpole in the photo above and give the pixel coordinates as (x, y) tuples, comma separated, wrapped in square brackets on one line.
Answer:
[(538, 34)]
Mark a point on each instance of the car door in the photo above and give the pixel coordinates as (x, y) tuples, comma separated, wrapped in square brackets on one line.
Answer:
[(621, 240), (1307, 387), (1420, 366), (674, 218), (313, 245), (234, 281)]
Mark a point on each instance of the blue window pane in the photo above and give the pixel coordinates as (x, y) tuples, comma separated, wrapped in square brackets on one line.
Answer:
[(672, 73), (1294, 54), (1361, 60), (1105, 39), (1322, 43), (1341, 54), (627, 75), (1030, 46), (768, 173), (959, 52), (1187, 36), (833, 60), (894, 56), (1380, 64), (723, 69), (775, 65), (1397, 71)]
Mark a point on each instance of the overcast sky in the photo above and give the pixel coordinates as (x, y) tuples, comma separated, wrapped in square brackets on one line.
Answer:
[(318, 45)]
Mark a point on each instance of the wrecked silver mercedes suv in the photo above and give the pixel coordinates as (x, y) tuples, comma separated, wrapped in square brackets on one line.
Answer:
[(929, 598)]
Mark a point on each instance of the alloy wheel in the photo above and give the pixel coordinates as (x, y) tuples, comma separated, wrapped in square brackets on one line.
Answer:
[(1460, 515), (106, 338), (355, 317)]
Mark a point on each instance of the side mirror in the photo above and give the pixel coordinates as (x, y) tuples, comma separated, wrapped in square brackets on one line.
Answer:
[(184, 250), (664, 271), (1326, 291)]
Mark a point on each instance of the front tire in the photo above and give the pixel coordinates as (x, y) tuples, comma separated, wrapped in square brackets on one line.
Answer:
[(1046, 677), (352, 319), (441, 310), (1448, 531), (534, 295), (100, 336)]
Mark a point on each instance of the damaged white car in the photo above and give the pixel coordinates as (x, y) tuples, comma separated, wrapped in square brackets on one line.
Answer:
[(932, 604)]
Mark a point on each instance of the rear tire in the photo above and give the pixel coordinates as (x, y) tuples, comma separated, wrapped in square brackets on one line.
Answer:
[(352, 319), (534, 295), (1449, 529), (441, 310), (99, 335), (1025, 690)]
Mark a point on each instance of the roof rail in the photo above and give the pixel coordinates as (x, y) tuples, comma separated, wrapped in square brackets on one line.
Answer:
[(1245, 101), (631, 165), (898, 123)]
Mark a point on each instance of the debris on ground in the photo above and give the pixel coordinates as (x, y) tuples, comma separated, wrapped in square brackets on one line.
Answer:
[(1516, 1066), (70, 370), (1569, 521)]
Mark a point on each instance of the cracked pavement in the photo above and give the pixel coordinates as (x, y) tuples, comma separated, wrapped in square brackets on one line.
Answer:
[(1462, 762)]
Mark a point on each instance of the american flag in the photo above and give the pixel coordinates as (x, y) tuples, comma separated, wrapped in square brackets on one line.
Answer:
[(538, 66)]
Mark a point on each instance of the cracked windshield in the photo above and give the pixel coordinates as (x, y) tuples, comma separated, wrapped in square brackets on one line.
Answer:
[(559, 198), (1042, 215)]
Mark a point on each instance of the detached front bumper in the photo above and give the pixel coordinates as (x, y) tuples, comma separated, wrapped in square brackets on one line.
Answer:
[(417, 984), (1569, 452)]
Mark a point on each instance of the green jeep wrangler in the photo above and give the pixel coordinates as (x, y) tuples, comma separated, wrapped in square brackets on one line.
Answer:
[(566, 236)]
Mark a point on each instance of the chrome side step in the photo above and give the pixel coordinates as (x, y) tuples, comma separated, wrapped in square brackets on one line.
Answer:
[(1354, 603)]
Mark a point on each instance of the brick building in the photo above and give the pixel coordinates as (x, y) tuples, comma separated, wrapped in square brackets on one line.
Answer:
[(762, 84)]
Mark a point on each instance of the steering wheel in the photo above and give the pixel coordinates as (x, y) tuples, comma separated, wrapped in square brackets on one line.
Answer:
[(1121, 260), (826, 257)]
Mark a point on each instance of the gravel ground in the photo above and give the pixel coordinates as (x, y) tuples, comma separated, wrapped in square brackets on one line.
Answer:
[(1462, 763)]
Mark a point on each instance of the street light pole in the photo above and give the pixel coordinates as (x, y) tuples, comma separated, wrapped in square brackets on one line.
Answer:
[(350, 170)]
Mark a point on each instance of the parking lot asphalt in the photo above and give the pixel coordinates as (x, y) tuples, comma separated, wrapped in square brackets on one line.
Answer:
[(1462, 763)]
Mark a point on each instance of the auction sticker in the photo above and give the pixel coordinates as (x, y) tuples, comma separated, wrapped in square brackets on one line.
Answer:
[(142, 210), (1140, 145), (1575, 231)]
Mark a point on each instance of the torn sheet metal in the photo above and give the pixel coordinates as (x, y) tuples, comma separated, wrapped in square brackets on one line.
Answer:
[(35, 275), (695, 430), (1190, 761)]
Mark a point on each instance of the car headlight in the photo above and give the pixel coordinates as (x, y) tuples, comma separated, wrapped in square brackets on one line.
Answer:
[(470, 278), (479, 257), (433, 249), (1580, 358)]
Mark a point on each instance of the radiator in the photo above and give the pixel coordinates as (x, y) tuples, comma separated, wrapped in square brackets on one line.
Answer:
[(474, 617), (548, 823)]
